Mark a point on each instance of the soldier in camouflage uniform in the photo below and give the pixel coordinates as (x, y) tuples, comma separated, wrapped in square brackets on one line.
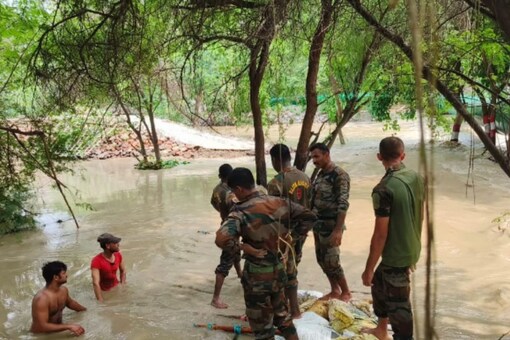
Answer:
[(222, 201), (294, 185), (398, 205), (330, 201), (262, 221)]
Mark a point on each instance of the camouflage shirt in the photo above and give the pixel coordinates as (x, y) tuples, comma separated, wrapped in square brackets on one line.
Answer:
[(260, 220), (330, 193), (293, 184), (222, 200)]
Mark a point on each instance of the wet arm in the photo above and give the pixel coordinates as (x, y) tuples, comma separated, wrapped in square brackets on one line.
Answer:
[(95, 284), (249, 250), (122, 269), (74, 305), (215, 202), (376, 247)]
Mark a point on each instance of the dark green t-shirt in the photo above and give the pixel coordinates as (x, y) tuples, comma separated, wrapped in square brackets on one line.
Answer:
[(400, 196)]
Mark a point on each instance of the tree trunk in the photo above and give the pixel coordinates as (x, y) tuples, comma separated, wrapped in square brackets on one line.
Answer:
[(507, 137), (154, 138), (427, 74), (258, 65), (339, 108), (153, 133), (137, 131), (260, 154), (501, 11), (458, 118), (314, 57), (259, 56), (199, 102), (456, 128), (498, 156)]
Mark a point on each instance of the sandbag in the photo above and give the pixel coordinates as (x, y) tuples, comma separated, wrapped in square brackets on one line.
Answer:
[(320, 308), (340, 315), (348, 319), (313, 327)]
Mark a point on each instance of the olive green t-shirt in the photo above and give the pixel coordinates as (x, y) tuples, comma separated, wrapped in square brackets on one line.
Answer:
[(399, 196), (293, 184)]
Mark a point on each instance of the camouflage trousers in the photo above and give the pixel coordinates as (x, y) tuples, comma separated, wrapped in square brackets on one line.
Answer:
[(264, 296), (327, 256), (293, 259), (227, 260), (390, 291)]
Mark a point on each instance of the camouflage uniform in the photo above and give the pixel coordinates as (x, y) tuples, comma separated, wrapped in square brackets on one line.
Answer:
[(222, 200), (330, 197), (261, 220), (399, 196), (295, 186)]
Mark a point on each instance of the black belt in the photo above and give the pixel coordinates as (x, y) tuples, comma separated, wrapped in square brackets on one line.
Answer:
[(326, 218)]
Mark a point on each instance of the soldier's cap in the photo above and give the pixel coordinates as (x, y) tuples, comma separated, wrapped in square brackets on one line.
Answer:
[(108, 238)]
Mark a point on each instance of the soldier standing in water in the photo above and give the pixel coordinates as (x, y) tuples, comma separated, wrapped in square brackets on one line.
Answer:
[(222, 200)]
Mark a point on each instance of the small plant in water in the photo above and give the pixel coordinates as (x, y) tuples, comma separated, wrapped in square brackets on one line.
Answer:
[(502, 222), (153, 165)]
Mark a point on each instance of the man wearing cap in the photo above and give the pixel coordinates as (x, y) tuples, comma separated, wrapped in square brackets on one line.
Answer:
[(104, 265)]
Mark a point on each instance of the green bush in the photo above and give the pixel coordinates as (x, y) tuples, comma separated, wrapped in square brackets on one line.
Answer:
[(13, 217)]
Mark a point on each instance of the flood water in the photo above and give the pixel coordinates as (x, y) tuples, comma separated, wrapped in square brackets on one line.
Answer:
[(167, 227)]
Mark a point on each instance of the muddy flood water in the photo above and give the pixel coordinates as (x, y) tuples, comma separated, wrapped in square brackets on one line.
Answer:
[(167, 227)]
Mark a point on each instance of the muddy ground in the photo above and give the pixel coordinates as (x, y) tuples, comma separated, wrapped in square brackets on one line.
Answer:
[(125, 144)]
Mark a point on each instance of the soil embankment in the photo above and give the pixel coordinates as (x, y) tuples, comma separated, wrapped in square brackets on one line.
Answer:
[(174, 140), (125, 144)]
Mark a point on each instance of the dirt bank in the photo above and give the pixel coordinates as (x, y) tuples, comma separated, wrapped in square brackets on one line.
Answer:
[(125, 144)]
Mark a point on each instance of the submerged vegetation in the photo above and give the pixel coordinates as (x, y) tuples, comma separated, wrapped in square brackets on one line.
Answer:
[(152, 165)]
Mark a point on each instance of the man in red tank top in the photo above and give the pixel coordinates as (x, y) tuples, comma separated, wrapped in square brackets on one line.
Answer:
[(104, 266)]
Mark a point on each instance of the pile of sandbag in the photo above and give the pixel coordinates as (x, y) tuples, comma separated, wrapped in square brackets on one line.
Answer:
[(345, 318)]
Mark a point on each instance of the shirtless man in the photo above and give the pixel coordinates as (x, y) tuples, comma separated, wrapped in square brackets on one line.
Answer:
[(49, 302)]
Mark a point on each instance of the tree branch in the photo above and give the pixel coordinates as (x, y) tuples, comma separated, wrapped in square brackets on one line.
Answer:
[(428, 74), (476, 83), (20, 132), (202, 4), (477, 6)]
